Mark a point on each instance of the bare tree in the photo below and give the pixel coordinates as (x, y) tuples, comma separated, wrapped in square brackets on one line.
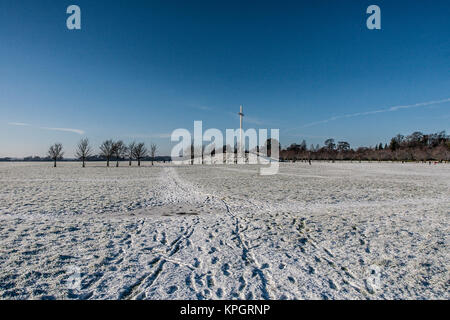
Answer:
[(119, 150), (55, 152), (130, 150), (140, 151), (84, 150), (107, 150), (153, 149)]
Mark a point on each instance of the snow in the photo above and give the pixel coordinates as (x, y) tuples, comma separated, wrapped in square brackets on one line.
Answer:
[(326, 231)]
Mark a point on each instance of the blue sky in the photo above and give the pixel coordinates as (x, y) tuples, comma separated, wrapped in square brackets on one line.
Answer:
[(140, 69)]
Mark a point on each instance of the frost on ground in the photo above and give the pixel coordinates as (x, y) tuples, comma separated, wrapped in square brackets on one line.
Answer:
[(326, 231)]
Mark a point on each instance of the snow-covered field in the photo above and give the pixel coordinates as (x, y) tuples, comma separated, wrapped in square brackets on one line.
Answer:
[(326, 231)]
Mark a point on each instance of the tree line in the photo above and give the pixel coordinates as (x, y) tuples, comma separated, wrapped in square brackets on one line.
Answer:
[(109, 150), (414, 147)]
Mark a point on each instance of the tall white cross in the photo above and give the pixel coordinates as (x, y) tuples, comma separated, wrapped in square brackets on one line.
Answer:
[(241, 116)]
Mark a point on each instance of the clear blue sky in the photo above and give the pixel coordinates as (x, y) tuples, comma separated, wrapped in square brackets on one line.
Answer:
[(139, 69)]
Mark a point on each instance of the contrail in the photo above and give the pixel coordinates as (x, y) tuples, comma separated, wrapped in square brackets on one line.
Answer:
[(22, 124), (19, 124), (390, 109), (77, 131)]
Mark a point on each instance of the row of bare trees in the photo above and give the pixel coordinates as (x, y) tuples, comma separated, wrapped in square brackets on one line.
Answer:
[(414, 147), (109, 150)]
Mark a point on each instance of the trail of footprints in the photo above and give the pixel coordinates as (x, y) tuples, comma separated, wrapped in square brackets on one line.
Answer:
[(223, 264), (202, 283)]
